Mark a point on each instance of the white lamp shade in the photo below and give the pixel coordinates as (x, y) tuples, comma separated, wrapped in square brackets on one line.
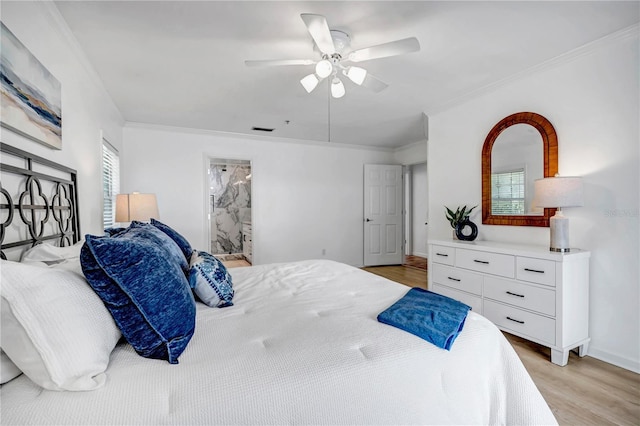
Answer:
[(324, 68), (559, 191), (309, 82), (136, 206), (357, 75), (337, 88)]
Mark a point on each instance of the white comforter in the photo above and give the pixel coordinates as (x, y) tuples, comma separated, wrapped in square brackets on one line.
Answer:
[(301, 346)]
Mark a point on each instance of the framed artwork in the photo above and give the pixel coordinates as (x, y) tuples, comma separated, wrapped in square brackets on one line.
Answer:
[(31, 96)]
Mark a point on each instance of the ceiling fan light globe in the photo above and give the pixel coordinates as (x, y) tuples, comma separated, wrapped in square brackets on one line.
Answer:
[(324, 68), (357, 75), (309, 82), (337, 88)]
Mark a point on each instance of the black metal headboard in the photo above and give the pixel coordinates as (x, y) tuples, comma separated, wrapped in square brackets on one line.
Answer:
[(38, 201)]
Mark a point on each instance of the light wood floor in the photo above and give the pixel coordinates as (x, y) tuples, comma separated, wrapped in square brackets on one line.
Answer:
[(586, 391), (235, 263), (413, 277)]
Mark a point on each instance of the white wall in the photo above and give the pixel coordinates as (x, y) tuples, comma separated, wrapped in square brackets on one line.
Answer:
[(592, 100), (419, 209), (86, 108), (306, 197)]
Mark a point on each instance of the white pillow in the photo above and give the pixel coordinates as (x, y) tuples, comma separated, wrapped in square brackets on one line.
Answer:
[(54, 327), (66, 257), (8, 369)]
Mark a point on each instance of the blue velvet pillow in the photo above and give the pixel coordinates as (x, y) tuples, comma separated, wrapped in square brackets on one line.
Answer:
[(144, 288), (181, 241), (210, 280), (110, 232), (161, 238)]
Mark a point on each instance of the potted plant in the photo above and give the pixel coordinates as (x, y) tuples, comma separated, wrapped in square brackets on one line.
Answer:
[(459, 217)]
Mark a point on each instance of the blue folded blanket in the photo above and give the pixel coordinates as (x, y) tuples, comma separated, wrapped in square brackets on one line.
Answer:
[(435, 318)]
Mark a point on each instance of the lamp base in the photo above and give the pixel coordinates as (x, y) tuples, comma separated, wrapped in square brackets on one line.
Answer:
[(559, 226)]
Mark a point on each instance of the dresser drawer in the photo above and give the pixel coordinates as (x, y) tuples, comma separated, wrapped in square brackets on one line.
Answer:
[(444, 255), (458, 279), (488, 263), (536, 270), (522, 322), (468, 299), (520, 294)]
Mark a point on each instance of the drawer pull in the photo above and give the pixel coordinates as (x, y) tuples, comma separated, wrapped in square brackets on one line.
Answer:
[(454, 279), (442, 254), (515, 320), (515, 294), (534, 270), (484, 262)]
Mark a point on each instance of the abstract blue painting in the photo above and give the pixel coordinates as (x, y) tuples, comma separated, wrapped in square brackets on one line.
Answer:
[(31, 96)]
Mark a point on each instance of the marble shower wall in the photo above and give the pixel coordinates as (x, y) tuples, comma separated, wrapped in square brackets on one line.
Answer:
[(230, 195)]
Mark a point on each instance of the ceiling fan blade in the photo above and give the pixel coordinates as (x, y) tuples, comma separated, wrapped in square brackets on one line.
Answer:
[(374, 84), (279, 62), (319, 30), (384, 50)]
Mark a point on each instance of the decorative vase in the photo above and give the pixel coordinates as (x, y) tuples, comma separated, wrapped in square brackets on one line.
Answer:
[(464, 234)]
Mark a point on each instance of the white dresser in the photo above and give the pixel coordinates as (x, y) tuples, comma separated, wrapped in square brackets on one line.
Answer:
[(247, 243), (528, 291)]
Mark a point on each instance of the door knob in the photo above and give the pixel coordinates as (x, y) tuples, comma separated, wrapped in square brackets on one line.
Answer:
[(368, 220)]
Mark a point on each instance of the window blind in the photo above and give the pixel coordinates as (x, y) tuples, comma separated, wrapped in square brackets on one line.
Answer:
[(110, 183), (507, 192)]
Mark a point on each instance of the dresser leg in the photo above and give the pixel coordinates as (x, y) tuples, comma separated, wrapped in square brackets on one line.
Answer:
[(583, 349), (559, 357)]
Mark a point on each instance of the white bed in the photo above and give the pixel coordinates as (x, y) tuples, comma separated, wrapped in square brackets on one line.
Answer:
[(301, 345)]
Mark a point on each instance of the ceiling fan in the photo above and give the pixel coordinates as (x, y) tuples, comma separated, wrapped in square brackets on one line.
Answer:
[(336, 57)]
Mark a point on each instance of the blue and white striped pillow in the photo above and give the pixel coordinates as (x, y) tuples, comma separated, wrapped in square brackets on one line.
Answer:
[(210, 280)]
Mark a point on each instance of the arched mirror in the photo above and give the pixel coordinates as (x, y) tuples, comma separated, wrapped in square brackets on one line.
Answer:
[(518, 150)]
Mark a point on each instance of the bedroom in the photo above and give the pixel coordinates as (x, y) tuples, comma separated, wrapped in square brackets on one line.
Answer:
[(588, 95)]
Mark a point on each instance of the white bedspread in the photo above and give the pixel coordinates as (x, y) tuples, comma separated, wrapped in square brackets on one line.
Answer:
[(301, 346)]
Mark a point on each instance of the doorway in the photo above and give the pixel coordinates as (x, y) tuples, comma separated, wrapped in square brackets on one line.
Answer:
[(415, 215), (383, 214), (230, 208), (390, 189), (416, 209)]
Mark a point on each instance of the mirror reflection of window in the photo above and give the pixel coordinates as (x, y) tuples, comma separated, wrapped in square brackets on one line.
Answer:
[(508, 192), (516, 162)]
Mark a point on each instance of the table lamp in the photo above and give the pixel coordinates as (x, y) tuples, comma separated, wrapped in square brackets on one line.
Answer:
[(136, 206), (558, 192)]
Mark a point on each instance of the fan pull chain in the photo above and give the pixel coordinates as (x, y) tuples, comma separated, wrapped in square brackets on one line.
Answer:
[(329, 113)]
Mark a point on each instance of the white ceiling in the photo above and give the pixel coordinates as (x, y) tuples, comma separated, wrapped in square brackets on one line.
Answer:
[(180, 63)]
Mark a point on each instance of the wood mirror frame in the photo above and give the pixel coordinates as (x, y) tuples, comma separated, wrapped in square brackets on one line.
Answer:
[(550, 167)]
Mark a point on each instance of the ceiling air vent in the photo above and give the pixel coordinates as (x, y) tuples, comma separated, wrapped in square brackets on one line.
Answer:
[(262, 129)]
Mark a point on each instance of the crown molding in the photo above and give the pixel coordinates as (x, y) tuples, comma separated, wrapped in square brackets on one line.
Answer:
[(411, 145), (245, 136), (565, 58)]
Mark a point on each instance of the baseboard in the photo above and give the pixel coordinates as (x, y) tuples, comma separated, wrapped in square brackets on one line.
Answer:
[(415, 253), (617, 360)]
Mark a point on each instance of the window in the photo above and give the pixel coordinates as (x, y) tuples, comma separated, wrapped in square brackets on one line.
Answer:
[(110, 183), (507, 192)]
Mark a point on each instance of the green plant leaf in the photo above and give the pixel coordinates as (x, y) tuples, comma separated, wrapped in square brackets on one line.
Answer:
[(459, 215), (451, 217), (469, 212)]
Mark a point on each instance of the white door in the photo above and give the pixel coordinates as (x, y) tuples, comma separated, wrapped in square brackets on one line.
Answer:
[(382, 215)]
